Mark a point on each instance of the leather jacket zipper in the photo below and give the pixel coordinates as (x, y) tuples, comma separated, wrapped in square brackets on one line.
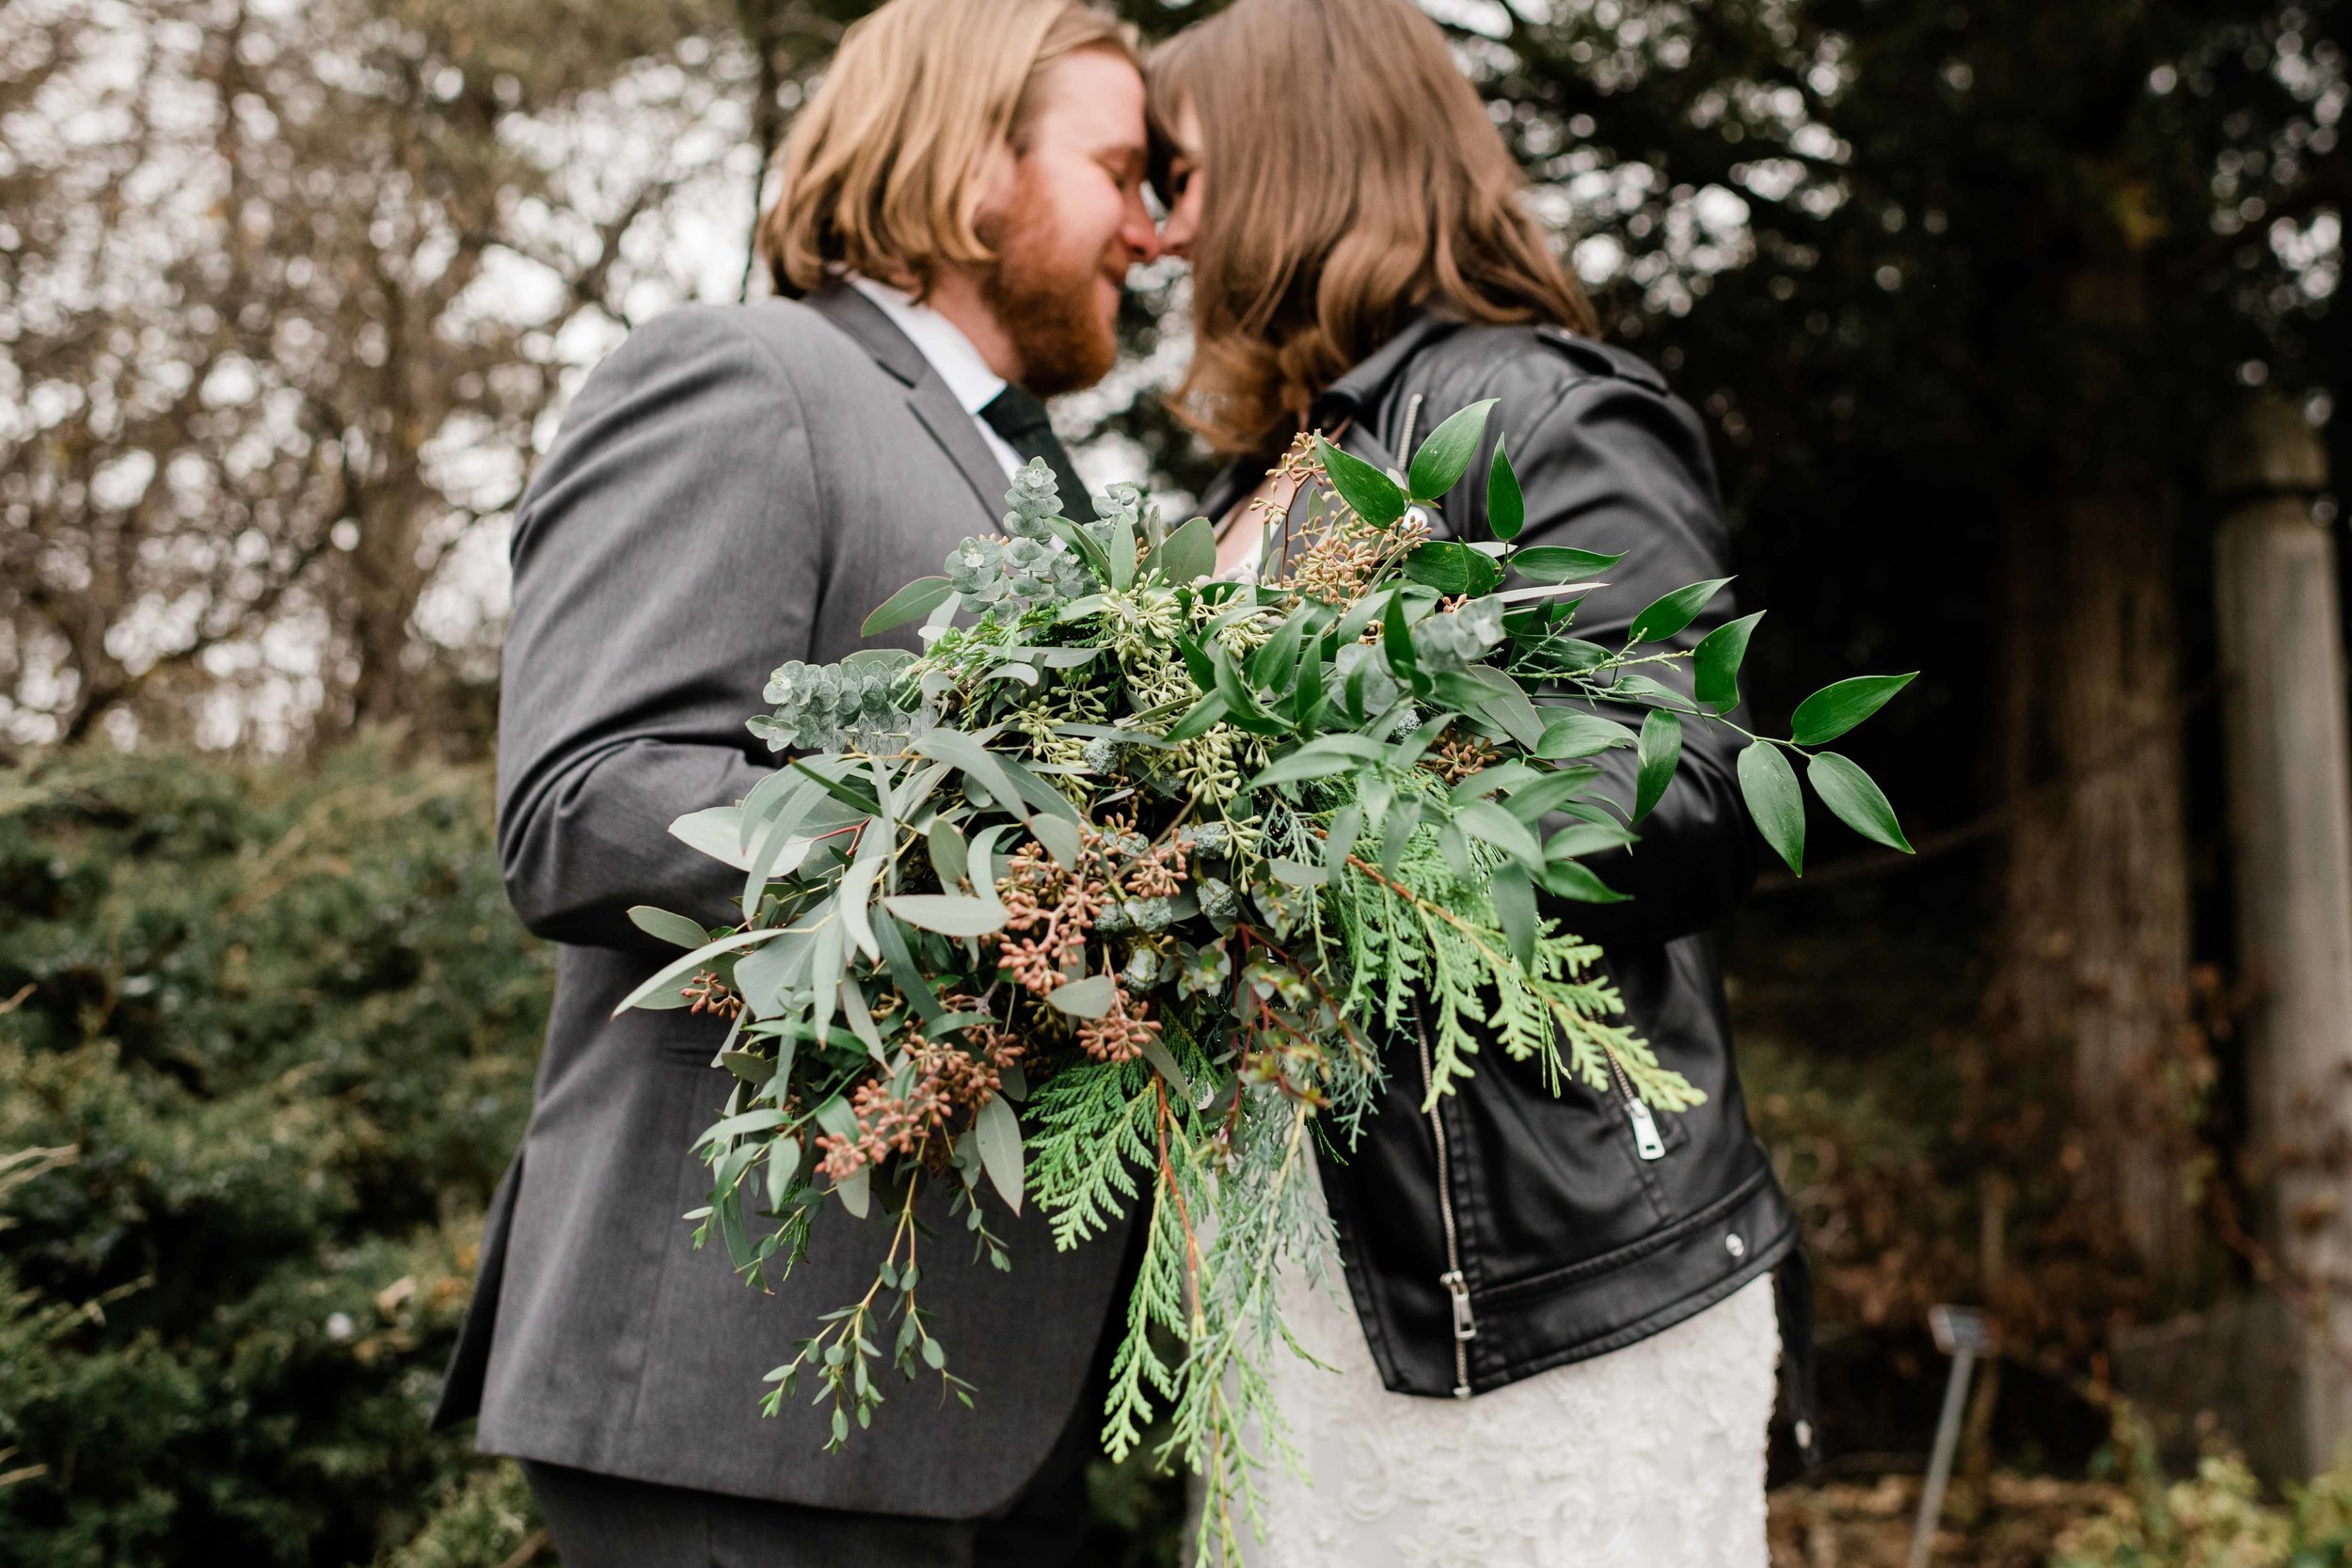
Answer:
[(1457, 1286), (1645, 1139)]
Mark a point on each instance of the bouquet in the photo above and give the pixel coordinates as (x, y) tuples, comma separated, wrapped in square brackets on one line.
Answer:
[(1107, 899)]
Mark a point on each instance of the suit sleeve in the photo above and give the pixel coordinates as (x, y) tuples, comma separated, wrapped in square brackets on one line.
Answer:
[(1614, 465), (667, 556)]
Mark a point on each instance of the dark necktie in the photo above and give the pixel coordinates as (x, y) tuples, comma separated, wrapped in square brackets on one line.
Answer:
[(1019, 419)]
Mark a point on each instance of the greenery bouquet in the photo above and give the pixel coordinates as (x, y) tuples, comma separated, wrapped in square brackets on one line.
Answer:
[(1110, 895)]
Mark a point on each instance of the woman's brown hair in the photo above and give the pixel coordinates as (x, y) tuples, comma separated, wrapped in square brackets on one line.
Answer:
[(881, 172), (1353, 178)]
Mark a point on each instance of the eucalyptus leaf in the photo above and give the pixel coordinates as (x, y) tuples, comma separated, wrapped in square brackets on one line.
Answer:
[(662, 925), (911, 603), (1089, 998), (999, 1134), (717, 832), (949, 914), (1190, 553), (672, 975)]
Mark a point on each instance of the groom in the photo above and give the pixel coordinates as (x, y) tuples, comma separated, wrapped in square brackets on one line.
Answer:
[(733, 488)]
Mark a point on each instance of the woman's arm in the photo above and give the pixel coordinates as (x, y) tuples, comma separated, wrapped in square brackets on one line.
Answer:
[(1615, 465)]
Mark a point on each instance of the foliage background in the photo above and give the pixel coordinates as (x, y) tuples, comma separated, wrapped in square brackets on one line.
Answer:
[(290, 294)]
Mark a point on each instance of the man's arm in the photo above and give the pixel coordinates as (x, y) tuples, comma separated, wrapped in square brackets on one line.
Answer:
[(669, 554), (1612, 466)]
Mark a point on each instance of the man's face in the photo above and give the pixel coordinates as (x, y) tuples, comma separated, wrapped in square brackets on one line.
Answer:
[(1068, 220)]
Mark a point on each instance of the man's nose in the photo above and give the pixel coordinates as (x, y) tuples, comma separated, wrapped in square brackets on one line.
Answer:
[(1142, 237)]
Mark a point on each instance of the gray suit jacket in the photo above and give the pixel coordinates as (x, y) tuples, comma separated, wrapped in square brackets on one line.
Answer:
[(735, 486)]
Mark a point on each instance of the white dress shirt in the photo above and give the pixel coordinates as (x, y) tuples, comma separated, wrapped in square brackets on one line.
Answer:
[(950, 353)]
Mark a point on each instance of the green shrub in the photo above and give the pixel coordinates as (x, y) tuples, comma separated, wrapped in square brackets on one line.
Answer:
[(268, 1042)]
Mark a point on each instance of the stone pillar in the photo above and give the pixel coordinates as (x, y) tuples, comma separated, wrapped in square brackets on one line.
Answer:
[(2290, 791)]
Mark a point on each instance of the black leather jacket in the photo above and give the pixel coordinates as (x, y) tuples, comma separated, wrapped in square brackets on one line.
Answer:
[(1517, 1231)]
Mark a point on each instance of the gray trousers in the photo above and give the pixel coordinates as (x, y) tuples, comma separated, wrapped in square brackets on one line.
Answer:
[(606, 1522)]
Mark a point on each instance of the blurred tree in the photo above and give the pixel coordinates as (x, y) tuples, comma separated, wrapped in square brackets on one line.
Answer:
[(284, 294), (1964, 287)]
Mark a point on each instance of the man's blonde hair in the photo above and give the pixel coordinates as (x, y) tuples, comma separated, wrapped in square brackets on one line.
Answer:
[(883, 171)]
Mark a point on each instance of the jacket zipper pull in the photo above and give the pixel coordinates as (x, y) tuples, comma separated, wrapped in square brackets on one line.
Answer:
[(1646, 1138), (1464, 1327)]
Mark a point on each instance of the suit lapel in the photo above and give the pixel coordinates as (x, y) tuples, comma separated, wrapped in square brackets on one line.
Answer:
[(928, 396)]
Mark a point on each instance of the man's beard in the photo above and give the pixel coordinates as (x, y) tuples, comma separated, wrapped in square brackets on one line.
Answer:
[(1045, 302)]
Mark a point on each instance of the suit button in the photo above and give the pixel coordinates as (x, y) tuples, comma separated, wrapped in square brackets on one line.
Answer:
[(1733, 1244)]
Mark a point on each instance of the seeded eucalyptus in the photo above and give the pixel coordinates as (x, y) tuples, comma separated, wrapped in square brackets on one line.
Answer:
[(1112, 891)]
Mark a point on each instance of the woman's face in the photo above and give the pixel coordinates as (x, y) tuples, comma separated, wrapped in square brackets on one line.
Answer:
[(1183, 186)]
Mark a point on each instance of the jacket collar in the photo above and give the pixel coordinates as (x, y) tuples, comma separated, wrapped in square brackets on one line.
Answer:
[(928, 394), (1356, 396)]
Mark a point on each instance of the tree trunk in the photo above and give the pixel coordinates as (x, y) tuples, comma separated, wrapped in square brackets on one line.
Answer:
[(2093, 952)]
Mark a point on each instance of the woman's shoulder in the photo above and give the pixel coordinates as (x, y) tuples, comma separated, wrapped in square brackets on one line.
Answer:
[(1525, 366)]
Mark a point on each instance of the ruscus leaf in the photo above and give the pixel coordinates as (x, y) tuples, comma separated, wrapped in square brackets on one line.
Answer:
[(1447, 452), (1841, 704), (1658, 752), (1506, 507), (1373, 495), (1855, 799), (1668, 614), (1769, 784), (1715, 665)]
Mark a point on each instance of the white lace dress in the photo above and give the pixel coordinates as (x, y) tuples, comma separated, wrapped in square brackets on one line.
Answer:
[(1648, 1457)]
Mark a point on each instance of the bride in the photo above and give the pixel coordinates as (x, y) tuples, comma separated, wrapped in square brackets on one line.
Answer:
[(1557, 1341)]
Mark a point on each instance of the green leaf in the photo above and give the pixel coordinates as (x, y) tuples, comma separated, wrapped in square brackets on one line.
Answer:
[(1514, 898), (1658, 751), (1668, 615), (950, 857), (1855, 799), (1396, 832), (1558, 564), (1579, 734), (1770, 787), (911, 603), (959, 749), (1448, 451), (662, 925), (784, 1163), (1506, 508), (949, 914), (1498, 828), (1205, 714), (1089, 998), (1340, 842), (1123, 554), (1373, 495), (736, 1126), (999, 1134), (855, 1192), (1396, 641), (1453, 568), (671, 975), (1715, 667), (1840, 706), (1190, 553), (717, 832), (1572, 880)]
